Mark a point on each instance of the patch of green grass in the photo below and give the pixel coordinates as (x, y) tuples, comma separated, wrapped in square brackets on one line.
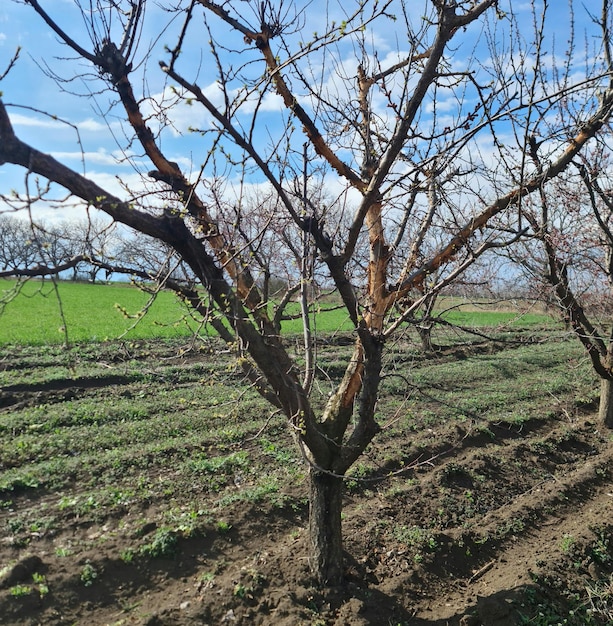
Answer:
[(567, 543), (90, 313), (223, 527), (328, 320), (127, 555), (415, 536), (528, 382), (541, 610), (44, 313), (281, 454), (483, 318), (250, 585), (266, 488), (418, 540), (219, 464), (601, 550), (41, 584)]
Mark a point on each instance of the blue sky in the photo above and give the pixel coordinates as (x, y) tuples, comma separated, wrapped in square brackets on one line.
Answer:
[(28, 85), (87, 143)]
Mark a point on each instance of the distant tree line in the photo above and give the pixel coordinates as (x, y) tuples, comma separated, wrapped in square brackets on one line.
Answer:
[(82, 249)]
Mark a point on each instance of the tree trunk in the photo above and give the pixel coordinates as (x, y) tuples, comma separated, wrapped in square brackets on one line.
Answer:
[(425, 335), (605, 412), (326, 544)]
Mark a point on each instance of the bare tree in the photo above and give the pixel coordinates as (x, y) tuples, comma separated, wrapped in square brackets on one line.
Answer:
[(571, 245), (154, 257), (38, 248), (571, 252), (17, 248), (91, 239), (376, 125)]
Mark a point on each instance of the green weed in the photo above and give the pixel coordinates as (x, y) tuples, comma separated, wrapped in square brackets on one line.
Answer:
[(568, 541), (206, 578), (163, 545), (41, 584), (19, 591), (602, 547), (415, 537), (89, 574), (127, 555), (250, 585), (512, 526), (223, 527)]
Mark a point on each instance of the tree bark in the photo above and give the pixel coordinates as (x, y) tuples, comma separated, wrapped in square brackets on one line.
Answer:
[(425, 336), (605, 411), (326, 544)]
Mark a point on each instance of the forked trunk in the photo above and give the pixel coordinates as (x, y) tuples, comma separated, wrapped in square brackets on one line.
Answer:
[(605, 412), (326, 544)]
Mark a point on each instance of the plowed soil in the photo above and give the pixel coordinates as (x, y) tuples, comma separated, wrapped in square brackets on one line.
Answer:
[(471, 521)]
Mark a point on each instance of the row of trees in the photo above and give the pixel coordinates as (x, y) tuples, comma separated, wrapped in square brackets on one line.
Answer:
[(30, 248), (86, 249), (447, 132)]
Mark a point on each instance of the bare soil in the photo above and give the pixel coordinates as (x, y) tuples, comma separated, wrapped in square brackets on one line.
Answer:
[(500, 526)]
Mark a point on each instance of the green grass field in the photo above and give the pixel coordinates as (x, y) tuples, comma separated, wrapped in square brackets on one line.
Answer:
[(41, 314), (44, 313)]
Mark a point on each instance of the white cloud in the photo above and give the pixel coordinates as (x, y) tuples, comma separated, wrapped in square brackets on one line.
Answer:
[(92, 125), (113, 185), (17, 119), (55, 123), (187, 113), (100, 157)]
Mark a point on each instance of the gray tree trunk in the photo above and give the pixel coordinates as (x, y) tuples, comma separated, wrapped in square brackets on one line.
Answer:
[(425, 335), (326, 544), (605, 412)]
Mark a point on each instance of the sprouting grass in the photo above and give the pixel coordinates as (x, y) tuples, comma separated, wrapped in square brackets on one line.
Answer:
[(196, 419), (512, 386), (40, 314), (496, 318), (45, 314), (146, 449), (325, 319)]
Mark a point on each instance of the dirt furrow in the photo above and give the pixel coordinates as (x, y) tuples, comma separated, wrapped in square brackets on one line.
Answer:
[(559, 519)]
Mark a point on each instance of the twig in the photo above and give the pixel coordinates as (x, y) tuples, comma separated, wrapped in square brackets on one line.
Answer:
[(486, 568)]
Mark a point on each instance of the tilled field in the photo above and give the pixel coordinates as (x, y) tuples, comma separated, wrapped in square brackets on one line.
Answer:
[(142, 487)]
